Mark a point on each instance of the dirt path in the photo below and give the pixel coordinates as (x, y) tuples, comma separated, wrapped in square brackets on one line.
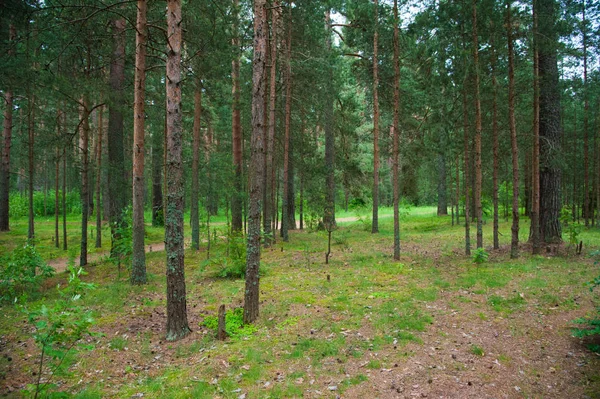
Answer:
[(61, 264)]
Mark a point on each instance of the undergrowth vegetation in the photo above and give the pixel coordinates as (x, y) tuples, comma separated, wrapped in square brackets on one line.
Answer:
[(335, 328)]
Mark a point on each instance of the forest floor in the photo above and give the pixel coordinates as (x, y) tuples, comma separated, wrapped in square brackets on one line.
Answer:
[(432, 325)]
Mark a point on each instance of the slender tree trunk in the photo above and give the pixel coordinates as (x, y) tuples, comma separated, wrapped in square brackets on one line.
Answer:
[(442, 200), (291, 190), (329, 214), (301, 206), (99, 177), (396, 134), (57, 182), (586, 175), (256, 184), (31, 169), (478, 129), (85, 192), (6, 145), (158, 218), (177, 323), (514, 244), (495, 145), (64, 197), (288, 117), (270, 208), (138, 267), (550, 148), (535, 161), (375, 221), (194, 214), (5, 166), (457, 190), (117, 180), (236, 200), (466, 174)]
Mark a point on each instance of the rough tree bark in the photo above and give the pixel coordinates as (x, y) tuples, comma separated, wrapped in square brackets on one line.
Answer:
[(194, 211), (478, 129), (535, 162), (270, 207), (495, 144), (158, 218), (98, 177), (396, 134), (288, 117), (550, 145), (236, 200), (116, 158), (138, 266), (177, 323), (375, 220), (85, 186), (514, 243), (586, 175), (329, 214), (31, 167), (7, 143), (256, 183)]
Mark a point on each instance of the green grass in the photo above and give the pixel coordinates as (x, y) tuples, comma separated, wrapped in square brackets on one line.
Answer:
[(309, 328)]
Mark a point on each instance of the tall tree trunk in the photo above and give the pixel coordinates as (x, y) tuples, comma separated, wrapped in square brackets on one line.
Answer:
[(288, 117), (64, 197), (270, 208), (177, 323), (375, 220), (495, 145), (329, 214), (158, 217), (514, 243), (457, 190), (301, 200), (236, 200), (256, 184), (138, 266), (5, 146), (194, 214), (85, 186), (466, 173), (396, 134), (99, 177), (550, 148), (442, 200), (535, 159), (478, 129), (31, 169), (57, 181), (586, 176), (116, 158), (291, 190)]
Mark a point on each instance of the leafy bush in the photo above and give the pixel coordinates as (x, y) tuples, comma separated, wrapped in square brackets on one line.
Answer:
[(19, 203), (22, 272), (480, 255), (234, 324), (592, 325), (59, 329)]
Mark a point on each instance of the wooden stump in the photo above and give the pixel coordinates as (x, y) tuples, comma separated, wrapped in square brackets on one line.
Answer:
[(221, 333)]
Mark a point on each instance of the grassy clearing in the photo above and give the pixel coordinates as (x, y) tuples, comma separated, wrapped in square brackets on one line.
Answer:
[(322, 328)]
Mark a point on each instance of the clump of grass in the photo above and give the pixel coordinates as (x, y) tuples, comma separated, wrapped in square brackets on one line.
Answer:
[(477, 350), (506, 305), (118, 343)]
